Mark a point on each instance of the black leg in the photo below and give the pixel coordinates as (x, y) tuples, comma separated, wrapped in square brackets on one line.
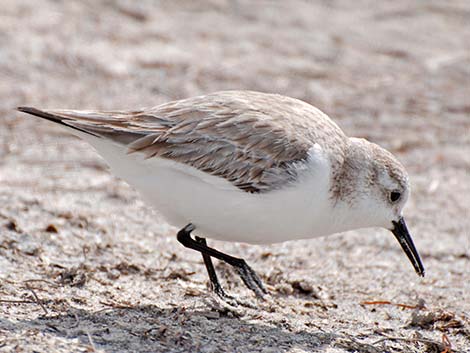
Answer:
[(246, 273), (215, 284)]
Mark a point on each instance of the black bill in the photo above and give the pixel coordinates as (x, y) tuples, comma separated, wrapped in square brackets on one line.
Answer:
[(404, 238)]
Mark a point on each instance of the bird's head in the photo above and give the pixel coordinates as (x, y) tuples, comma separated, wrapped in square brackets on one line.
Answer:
[(379, 193)]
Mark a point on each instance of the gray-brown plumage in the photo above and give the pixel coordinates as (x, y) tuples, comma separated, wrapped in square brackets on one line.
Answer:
[(323, 181), (251, 139)]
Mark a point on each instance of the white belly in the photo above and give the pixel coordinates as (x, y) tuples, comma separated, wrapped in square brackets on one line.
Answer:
[(220, 210)]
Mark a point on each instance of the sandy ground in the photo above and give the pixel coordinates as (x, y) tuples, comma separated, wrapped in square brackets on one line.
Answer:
[(86, 266)]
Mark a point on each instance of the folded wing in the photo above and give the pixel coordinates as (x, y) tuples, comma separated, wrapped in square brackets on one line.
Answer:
[(253, 140)]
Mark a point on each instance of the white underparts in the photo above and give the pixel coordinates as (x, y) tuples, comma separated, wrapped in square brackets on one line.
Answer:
[(218, 209)]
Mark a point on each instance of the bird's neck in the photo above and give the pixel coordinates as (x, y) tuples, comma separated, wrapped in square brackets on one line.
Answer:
[(352, 174), (349, 183)]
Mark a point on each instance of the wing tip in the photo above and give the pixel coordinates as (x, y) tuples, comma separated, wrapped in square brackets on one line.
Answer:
[(54, 118), (40, 113), (27, 109)]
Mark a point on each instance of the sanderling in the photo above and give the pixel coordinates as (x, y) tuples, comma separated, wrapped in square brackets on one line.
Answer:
[(248, 167)]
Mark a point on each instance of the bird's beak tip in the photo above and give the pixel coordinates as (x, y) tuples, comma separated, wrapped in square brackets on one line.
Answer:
[(401, 233)]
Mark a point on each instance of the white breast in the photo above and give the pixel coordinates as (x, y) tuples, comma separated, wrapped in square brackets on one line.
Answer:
[(220, 210)]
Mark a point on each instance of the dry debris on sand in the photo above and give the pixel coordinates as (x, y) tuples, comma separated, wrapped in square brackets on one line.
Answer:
[(85, 266)]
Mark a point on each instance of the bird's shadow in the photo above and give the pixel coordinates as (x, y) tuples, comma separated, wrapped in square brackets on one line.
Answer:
[(149, 328)]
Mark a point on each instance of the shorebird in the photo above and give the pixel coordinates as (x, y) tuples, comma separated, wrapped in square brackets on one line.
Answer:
[(248, 167)]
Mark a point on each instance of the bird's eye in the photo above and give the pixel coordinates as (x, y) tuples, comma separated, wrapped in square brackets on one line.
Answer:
[(395, 196)]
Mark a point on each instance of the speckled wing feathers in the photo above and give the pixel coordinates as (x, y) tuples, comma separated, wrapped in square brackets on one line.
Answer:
[(251, 139)]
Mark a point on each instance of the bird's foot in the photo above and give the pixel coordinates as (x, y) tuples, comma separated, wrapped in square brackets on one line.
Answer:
[(251, 279), (231, 300), (247, 274)]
